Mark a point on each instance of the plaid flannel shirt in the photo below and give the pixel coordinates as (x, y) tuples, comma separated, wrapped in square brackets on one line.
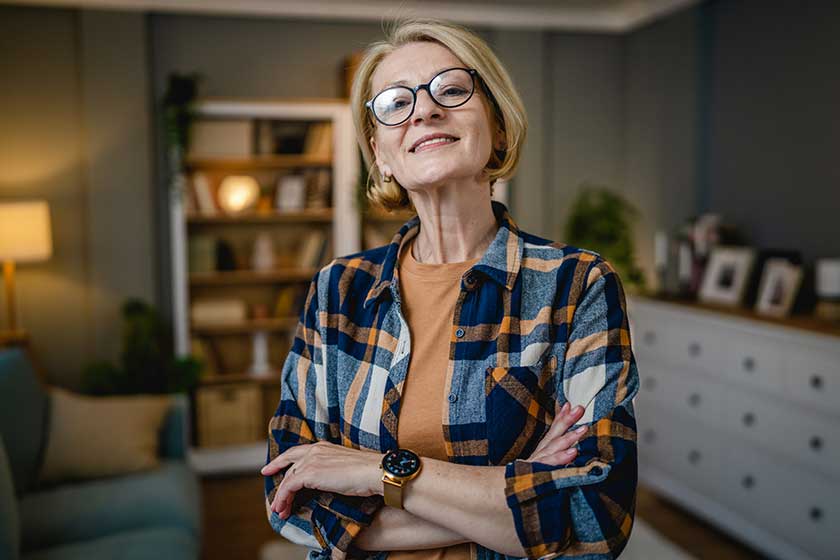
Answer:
[(536, 322)]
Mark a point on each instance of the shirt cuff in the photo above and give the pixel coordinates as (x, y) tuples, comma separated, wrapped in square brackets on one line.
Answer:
[(338, 519), (538, 495)]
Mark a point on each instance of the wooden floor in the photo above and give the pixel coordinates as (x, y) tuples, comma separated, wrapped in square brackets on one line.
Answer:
[(235, 526)]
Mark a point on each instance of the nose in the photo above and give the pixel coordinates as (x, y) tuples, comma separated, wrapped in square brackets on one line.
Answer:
[(425, 108)]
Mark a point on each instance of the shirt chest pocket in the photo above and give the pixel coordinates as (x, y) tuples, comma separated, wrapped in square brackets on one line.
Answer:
[(519, 403)]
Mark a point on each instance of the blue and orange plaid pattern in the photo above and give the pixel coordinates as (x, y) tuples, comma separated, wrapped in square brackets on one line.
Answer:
[(536, 322)]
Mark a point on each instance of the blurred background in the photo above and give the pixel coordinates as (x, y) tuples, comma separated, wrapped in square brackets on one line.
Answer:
[(172, 175)]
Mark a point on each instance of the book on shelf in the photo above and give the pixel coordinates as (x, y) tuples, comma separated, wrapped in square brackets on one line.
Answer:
[(313, 249), (205, 201), (213, 312), (204, 351), (289, 300), (291, 192), (201, 251), (233, 138), (318, 188), (318, 142)]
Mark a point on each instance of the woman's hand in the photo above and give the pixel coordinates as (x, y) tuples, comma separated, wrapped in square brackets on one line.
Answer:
[(558, 447), (324, 466)]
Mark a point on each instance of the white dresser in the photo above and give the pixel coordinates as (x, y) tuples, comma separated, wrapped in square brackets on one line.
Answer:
[(739, 422)]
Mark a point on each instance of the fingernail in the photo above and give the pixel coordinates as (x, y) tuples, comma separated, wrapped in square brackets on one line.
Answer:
[(571, 451), (578, 408), (580, 430), (565, 407)]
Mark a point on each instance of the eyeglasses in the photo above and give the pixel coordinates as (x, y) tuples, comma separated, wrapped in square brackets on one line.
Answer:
[(450, 88)]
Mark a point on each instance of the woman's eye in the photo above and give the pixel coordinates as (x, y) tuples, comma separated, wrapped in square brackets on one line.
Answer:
[(454, 91)]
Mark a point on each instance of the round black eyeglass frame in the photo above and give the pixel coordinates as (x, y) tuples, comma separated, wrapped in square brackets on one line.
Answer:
[(418, 87)]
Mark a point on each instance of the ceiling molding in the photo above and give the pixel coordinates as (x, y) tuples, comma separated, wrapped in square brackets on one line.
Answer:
[(610, 17)]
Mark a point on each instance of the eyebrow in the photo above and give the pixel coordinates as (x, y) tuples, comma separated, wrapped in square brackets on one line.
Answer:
[(405, 82)]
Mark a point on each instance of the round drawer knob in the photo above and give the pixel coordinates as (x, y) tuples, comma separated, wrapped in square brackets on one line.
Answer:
[(649, 338), (694, 349), (694, 457), (649, 436), (749, 364), (815, 514), (749, 419), (748, 481), (816, 382), (694, 399), (649, 383), (816, 443)]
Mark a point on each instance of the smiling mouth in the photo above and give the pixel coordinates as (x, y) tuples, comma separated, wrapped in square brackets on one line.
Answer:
[(431, 144)]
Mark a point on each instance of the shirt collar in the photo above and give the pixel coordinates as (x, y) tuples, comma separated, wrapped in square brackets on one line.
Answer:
[(500, 262)]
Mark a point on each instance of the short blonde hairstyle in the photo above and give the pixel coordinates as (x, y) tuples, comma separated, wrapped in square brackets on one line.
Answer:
[(507, 109)]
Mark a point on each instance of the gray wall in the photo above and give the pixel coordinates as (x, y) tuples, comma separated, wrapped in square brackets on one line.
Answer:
[(774, 137), (661, 112), (74, 131)]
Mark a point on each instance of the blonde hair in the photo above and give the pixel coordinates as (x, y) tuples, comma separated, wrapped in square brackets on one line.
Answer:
[(506, 105)]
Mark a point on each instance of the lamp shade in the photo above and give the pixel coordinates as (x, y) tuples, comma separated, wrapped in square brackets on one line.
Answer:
[(238, 193), (25, 233)]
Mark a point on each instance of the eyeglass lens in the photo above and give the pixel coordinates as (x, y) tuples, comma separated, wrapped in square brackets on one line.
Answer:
[(448, 89)]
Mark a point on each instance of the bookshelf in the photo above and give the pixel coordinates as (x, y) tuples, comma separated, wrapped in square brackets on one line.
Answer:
[(241, 269)]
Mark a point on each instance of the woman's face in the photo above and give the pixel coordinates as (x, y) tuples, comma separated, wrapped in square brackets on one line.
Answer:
[(470, 124)]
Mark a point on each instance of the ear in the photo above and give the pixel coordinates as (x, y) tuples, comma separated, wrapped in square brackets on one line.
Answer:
[(383, 167), (499, 139)]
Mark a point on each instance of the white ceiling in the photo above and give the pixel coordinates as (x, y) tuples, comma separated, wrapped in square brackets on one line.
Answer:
[(610, 16)]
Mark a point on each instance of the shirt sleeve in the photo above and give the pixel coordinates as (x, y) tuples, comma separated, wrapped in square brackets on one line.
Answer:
[(586, 508), (319, 520)]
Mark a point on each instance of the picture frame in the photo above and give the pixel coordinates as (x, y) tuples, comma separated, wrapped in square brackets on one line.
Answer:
[(780, 282), (726, 275)]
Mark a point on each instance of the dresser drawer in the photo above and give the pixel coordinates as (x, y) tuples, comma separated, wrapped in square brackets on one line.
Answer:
[(683, 341), (806, 439), (672, 443), (696, 397), (795, 504), (652, 382), (755, 361), (813, 378)]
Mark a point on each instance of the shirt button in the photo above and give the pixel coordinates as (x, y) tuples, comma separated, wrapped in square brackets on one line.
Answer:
[(595, 471), (453, 397), (459, 333)]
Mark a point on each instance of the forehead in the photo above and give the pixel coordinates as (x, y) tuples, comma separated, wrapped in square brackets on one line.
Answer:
[(413, 63)]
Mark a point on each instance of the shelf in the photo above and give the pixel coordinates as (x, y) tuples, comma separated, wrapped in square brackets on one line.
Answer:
[(272, 378), (312, 215), (802, 322), (253, 325), (234, 277), (248, 458), (282, 161)]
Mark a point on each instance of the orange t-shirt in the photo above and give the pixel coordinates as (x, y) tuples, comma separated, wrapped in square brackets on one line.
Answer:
[(428, 293)]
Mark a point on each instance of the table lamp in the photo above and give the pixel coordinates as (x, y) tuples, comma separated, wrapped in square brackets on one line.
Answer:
[(25, 236)]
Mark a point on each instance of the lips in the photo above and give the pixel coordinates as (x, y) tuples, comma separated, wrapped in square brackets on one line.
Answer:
[(430, 137)]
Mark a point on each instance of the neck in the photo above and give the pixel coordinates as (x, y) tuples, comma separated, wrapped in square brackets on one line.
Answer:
[(456, 224)]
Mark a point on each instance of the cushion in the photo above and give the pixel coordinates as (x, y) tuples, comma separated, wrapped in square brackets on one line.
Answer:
[(160, 542), (92, 437), (23, 417), (9, 520), (168, 496)]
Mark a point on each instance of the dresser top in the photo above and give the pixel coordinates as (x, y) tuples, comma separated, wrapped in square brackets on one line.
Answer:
[(801, 322)]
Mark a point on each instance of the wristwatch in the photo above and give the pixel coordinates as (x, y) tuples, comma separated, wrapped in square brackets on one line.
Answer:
[(398, 467)]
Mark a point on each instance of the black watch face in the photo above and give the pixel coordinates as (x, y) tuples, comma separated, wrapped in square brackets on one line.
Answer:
[(401, 462)]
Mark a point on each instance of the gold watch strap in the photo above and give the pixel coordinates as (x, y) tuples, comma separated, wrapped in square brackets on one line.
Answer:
[(393, 493)]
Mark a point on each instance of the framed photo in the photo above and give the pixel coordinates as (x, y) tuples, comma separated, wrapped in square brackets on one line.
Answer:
[(780, 281), (726, 275)]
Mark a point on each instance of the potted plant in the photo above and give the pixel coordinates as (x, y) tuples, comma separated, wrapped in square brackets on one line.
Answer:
[(601, 220)]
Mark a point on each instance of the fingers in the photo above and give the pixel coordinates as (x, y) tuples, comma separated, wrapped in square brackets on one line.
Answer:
[(564, 418), (562, 450)]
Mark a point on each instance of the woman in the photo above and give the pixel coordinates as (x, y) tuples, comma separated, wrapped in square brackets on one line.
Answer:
[(428, 395)]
